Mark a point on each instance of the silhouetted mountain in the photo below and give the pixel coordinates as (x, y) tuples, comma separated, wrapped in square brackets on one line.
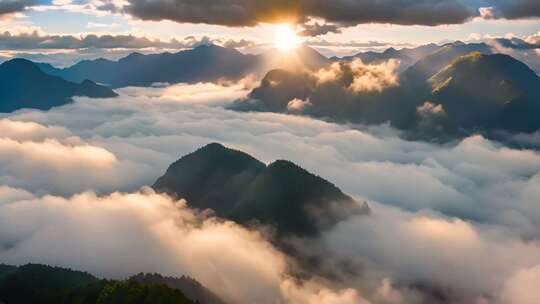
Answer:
[(6, 270), (290, 198), (488, 92), (205, 63), (24, 85), (329, 100), (431, 64), (275, 92), (210, 177), (41, 284), (407, 56), (190, 287), (303, 57), (243, 189), (474, 92), (311, 58)]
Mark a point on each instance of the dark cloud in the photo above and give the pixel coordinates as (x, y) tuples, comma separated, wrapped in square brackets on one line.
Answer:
[(422, 12), (319, 29), (242, 43), (14, 6), (515, 9), (340, 13), (66, 50), (335, 14), (222, 12)]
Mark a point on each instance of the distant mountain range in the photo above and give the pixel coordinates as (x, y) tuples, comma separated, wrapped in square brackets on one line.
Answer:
[(406, 56), (518, 48), (239, 187), (408, 106), (24, 85), (432, 63), (42, 284), (210, 63), (457, 90), (206, 63)]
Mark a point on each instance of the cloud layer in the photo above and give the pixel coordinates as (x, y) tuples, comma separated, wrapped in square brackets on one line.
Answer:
[(475, 194)]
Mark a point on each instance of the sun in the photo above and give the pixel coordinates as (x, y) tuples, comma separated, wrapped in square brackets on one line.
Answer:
[(286, 38)]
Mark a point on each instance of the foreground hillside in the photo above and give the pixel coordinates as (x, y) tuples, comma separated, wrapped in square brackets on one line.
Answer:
[(41, 284)]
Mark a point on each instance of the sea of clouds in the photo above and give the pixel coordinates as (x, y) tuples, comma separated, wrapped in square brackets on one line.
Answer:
[(452, 223)]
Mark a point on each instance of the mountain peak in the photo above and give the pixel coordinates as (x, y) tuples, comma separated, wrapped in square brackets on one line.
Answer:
[(209, 177), (204, 63), (282, 163), (431, 64), (17, 61), (210, 47), (214, 147), (217, 151), (285, 167), (133, 55), (479, 91), (239, 187), (23, 84), (206, 46), (494, 67), (20, 65)]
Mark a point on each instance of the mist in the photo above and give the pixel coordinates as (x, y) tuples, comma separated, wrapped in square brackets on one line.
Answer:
[(72, 197)]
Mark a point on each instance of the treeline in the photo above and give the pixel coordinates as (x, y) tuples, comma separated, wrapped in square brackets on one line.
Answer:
[(41, 284)]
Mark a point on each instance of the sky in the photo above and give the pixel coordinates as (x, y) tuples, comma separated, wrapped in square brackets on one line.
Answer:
[(372, 25)]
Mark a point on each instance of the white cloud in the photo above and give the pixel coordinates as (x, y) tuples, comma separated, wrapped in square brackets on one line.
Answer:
[(426, 248), (124, 233), (298, 106), (365, 77), (522, 287), (435, 206), (31, 131), (374, 77), (428, 109)]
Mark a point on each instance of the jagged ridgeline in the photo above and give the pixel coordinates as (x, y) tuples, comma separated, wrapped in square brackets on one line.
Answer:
[(41, 284), (241, 188), (460, 89)]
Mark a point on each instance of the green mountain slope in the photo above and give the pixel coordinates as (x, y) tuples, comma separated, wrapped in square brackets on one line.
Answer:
[(243, 189)]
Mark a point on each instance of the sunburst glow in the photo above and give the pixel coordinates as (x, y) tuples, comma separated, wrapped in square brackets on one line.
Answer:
[(286, 38)]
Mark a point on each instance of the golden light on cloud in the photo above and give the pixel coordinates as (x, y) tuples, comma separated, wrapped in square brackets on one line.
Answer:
[(285, 38)]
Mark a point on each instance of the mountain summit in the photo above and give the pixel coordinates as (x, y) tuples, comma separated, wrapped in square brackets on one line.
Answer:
[(488, 92), (24, 85), (239, 187)]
